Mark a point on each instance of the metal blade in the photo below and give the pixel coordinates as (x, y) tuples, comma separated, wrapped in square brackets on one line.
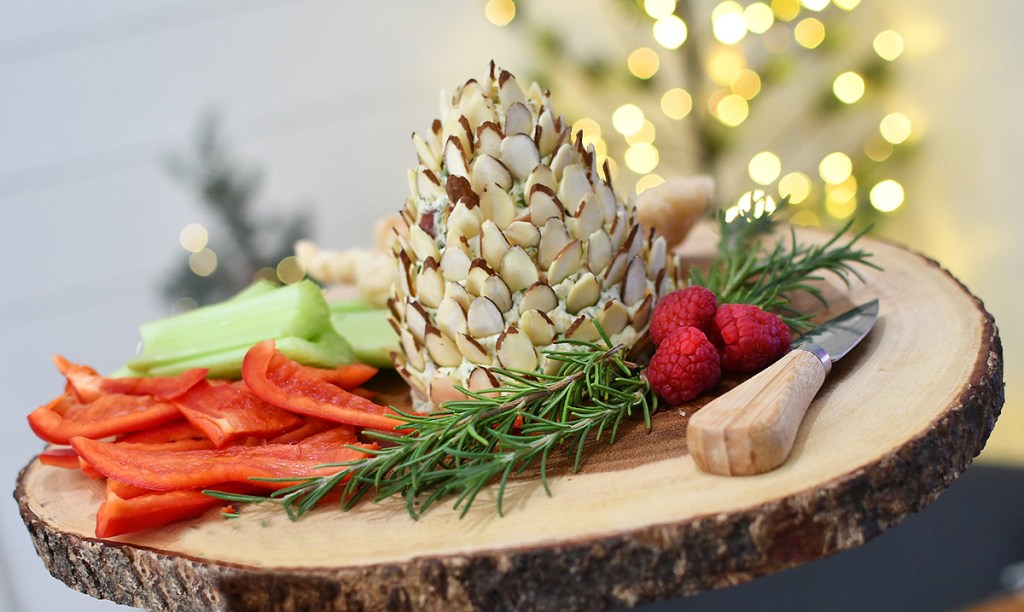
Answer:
[(837, 336)]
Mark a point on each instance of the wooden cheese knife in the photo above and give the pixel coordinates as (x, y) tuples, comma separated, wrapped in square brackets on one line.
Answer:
[(751, 429)]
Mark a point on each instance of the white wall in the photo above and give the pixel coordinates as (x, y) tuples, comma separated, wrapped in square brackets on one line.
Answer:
[(323, 95)]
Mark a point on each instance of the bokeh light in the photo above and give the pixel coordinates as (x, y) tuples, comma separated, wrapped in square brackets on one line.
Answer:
[(628, 119), (646, 134), (643, 62), (895, 128), (193, 237), (658, 9), (887, 196), (835, 168), (648, 181), (795, 185), (500, 12), (589, 127), (888, 45), (764, 167), (203, 262), (670, 32), (809, 33), (676, 103), (849, 87), (846, 5), (732, 110), (815, 5), (724, 63), (727, 22), (877, 148), (785, 10), (754, 204), (290, 270), (746, 83), (759, 17), (641, 158)]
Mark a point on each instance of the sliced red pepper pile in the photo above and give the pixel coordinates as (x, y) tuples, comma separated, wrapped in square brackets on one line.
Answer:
[(159, 442)]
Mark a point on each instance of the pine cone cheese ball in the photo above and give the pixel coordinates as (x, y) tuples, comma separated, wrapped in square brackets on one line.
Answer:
[(515, 243)]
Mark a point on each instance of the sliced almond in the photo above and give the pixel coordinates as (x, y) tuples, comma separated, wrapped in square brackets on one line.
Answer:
[(583, 328), (589, 217), (493, 244), (481, 379), (572, 186), (606, 197), (429, 284), (634, 241), (484, 318), (427, 156), (656, 258), (442, 349), (412, 349), (539, 296), (459, 189), (474, 106), (473, 350), (404, 270), (519, 154), (442, 389), (566, 262), (451, 318), (538, 327), (455, 291), (618, 230), (415, 382), (541, 175), (416, 320), (517, 269), (543, 205), (553, 238), (518, 120), (497, 291), (478, 273), (634, 286), (584, 292), (427, 185), (616, 269), (515, 350), (599, 251), (548, 133), (454, 264), (422, 244), (496, 204), (488, 139), (464, 221), (523, 233), (563, 157), (455, 158), (509, 91), (613, 317), (487, 171), (643, 313)]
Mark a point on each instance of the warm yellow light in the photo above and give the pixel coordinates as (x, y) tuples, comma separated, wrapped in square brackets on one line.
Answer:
[(758, 17), (500, 12), (877, 148), (843, 191), (648, 181), (809, 33), (839, 206), (796, 185), (848, 87), (641, 158), (888, 45), (764, 167), (659, 8), (643, 62), (193, 237), (727, 22), (746, 84), (644, 134), (846, 5), (895, 127), (754, 204), (290, 270), (785, 10), (732, 110), (724, 63), (887, 196), (588, 126), (835, 168), (670, 32), (806, 218), (599, 144), (203, 262), (676, 103), (815, 5), (628, 119)]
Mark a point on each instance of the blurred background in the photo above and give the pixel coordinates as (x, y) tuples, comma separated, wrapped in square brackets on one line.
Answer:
[(157, 155)]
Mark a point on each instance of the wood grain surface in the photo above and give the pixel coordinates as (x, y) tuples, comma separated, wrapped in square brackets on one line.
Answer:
[(893, 425)]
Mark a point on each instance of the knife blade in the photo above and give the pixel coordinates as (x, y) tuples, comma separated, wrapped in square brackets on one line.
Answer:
[(751, 429)]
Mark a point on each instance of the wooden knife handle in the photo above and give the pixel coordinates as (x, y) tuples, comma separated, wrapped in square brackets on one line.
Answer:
[(751, 429)]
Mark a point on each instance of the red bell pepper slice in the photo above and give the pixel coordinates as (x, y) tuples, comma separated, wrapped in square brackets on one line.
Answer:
[(168, 432), (169, 470), (310, 427), (225, 413), (346, 376), (118, 516), (59, 457), (89, 385), (65, 417), (286, 384)]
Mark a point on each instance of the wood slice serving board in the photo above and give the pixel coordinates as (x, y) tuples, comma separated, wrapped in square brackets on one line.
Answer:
[(895, 423)]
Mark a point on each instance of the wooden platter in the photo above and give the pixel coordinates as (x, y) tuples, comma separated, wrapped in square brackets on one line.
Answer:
[(897, 421)]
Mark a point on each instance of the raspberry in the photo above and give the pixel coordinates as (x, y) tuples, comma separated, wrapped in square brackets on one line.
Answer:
[(751, 338), (684, 365), (693, 307)]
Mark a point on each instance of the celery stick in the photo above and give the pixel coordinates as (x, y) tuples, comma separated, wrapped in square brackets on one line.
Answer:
[(297, 310), (349, 305), (369, 334), (327, 350), (258, 287)]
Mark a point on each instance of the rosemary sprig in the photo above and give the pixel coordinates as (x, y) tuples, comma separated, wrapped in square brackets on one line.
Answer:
[(491, 436), (747, 272)]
